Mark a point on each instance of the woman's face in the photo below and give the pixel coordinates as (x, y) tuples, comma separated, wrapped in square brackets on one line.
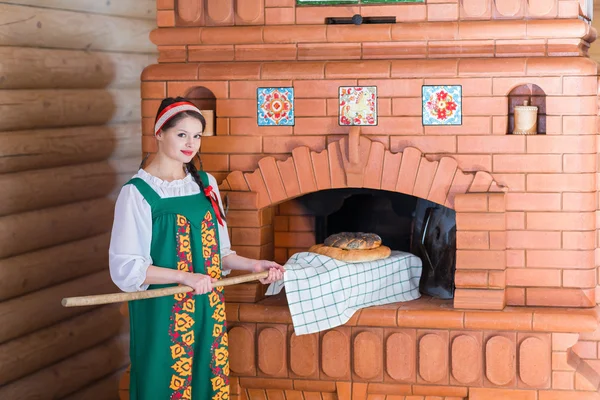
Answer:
[(182, 141)]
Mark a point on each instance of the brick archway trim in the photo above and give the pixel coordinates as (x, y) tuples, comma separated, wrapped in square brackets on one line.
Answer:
[(364, 163)]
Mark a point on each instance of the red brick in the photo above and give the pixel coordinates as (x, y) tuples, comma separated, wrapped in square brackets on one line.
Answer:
[(478, 162), (280, 16), (560, 144), (572, 259), (461, 48), (301, 224), (236, 108), (329, 51), (394, 87), (320, 163), (578, 240), (352, 33), (279, 3), (471, 279), (578, 125), (571, 105), (410, 106), (393, 50), (501, 394), (294, 239), (424, 68), (560, 298), (289, 177), (218, 89), (578, 201), (533, 277), (480, 221), (310, 107), (288, 143), (165, 18), (232, 35), (281, 223), (265, 52), (425, 175), (527, 163), (292, 34), (560, 182), (272, 179), (363, 69), (481, 299), (567, 65), (398, 126), (487, 144), (229, 144), (165, 4), (256, 184), (407, 173), (498, 240), (442, 12), (533, 201), (520, 48), (574, 221), (533, 240), (471, 202), (320, 88), (430, 144), (575, 163), (306, 174), (248, 89), (480, 259), (172, 54), (293, 207), (318, 126), (515, 258), (295, 70), (494, 67), (153, 90), (585, 278), (515, 296)]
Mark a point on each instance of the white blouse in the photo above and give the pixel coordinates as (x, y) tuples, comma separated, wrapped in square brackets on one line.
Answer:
[(129, 251)]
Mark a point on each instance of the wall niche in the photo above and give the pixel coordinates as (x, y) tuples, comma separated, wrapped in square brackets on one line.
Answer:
[(535, 96)]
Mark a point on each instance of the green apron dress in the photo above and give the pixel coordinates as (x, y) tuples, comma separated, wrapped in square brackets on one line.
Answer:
[(179, 343)]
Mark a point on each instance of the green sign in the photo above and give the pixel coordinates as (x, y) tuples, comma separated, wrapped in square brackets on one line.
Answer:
[(335, 2)]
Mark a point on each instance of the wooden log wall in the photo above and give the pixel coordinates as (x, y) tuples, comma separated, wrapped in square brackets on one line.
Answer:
[(70, 121)]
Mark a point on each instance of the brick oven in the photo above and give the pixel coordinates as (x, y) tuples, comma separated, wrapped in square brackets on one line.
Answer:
[(523, 323)]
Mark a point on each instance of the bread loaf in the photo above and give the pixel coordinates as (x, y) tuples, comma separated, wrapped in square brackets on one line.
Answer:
[(352, 256), (353, 241)]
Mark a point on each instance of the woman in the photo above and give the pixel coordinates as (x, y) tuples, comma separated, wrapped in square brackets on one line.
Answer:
[(169, 228)]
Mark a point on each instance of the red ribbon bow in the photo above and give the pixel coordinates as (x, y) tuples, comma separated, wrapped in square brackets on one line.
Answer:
[(208, 191)]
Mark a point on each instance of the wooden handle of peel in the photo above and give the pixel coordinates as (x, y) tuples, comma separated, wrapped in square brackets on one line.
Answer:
[(149, 294)]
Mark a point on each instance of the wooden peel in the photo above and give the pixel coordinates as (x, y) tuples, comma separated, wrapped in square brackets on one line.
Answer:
[(149, 294)]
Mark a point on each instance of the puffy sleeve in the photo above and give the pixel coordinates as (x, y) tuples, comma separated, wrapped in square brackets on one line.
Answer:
[(225, 243), (130, 241)]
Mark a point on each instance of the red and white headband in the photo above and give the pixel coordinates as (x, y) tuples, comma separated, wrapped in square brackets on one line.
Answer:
[(171, 111)]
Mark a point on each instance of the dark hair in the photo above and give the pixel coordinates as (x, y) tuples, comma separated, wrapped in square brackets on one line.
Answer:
[(191, 167)]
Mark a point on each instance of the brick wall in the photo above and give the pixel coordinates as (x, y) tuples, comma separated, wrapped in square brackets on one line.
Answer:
[(550, 237)]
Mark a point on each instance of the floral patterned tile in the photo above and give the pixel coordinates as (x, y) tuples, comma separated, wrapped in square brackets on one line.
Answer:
[(442, 105), (358, 105), (275, 106)]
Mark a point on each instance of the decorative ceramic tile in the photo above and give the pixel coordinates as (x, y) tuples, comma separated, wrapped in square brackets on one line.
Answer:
[(358, 105), (275, 106), (442, 105)]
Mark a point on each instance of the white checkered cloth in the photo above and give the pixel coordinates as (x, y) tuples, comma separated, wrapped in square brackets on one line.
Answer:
[(323, 293)]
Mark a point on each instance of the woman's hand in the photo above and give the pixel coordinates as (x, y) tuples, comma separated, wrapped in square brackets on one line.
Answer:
[(275, 270), (199, 282)]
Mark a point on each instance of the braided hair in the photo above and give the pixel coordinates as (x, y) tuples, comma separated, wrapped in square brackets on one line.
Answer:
[(190, 166)]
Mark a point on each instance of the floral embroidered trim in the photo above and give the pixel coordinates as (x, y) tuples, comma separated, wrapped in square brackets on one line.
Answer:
[(220, 358), (182, 320)]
